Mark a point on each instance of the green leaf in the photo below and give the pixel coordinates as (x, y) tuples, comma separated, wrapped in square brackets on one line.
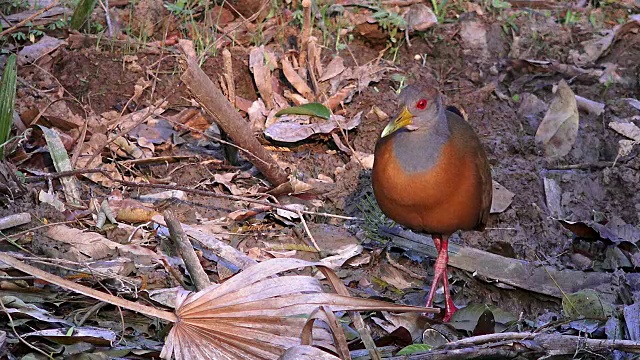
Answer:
[(7, 100), (516, 97), (313, 109), (414, 349)]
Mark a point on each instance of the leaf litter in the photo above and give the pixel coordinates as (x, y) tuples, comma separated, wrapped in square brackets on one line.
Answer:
[(169, 144)]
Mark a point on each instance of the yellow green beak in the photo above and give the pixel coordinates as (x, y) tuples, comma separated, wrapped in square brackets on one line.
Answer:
[(404, 119)]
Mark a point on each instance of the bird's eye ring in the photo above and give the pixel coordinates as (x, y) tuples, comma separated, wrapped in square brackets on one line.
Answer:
[(421, 104)]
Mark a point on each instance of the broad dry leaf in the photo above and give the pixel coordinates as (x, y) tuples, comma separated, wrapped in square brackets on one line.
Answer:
[(80, 246), (559, 128), (339, 97), (333, 69), (501, 199), (256, 315), (628, 129), (291, 132)]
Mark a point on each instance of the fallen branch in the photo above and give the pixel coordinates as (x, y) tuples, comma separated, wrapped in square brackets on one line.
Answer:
[(525, 345), (229, 120), (519, 273), (185, 249)]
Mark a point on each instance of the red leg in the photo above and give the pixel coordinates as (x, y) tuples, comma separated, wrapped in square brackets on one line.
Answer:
[(440, 272), (449, 306)]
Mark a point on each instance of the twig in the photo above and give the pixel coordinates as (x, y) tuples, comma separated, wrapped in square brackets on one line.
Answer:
[(185, 249), (525, 345), (27, 20), (13, 327), (107, 17), (87, 291), (582, 166), (306, 228)]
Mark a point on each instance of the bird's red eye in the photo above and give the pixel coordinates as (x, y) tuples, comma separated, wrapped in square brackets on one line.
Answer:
[(421, 104)]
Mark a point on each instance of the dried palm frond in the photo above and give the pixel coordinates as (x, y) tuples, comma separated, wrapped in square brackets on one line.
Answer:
[(254, 315)]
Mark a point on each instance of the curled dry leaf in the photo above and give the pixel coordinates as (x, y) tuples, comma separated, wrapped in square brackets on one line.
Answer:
[(257, 115), (339, 97), (255, 315), (630, 130), (298, 83), (292, 131), (262, 74), (559, 128)]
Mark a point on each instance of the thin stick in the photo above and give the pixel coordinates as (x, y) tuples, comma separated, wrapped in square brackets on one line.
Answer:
[(306, 228), (27, 20), (185, 249), (87, 291)]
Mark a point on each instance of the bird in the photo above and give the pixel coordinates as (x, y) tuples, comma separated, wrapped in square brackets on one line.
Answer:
[(431, 174)]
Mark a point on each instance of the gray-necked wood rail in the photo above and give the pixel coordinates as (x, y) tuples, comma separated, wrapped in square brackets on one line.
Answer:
[(431, 174)]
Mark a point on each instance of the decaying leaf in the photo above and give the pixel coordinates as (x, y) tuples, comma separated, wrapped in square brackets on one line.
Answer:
[(598, 46), (467, 318), (630, 130), (632, 320), (559, 128), (262, 74), (586, 303), (292, 131), (335, 68), (501, 199), (62, 163)]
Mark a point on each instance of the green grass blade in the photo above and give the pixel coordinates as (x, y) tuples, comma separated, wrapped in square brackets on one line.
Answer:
[(82, 13), (7, 100)]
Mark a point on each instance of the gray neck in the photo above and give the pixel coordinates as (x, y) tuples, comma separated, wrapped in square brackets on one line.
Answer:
[(426, 142)]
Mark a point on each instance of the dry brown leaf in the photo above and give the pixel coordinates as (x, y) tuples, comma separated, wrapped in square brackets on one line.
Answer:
[(502, 198), (559, 128), (131, 211), (261, 74), (333, 69), (293, 131), (80, 246), (339, 97), (598, 46), (298, 83), (630, 130)]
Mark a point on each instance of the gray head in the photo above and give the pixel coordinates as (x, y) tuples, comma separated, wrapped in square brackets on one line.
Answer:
[(420, 106)]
